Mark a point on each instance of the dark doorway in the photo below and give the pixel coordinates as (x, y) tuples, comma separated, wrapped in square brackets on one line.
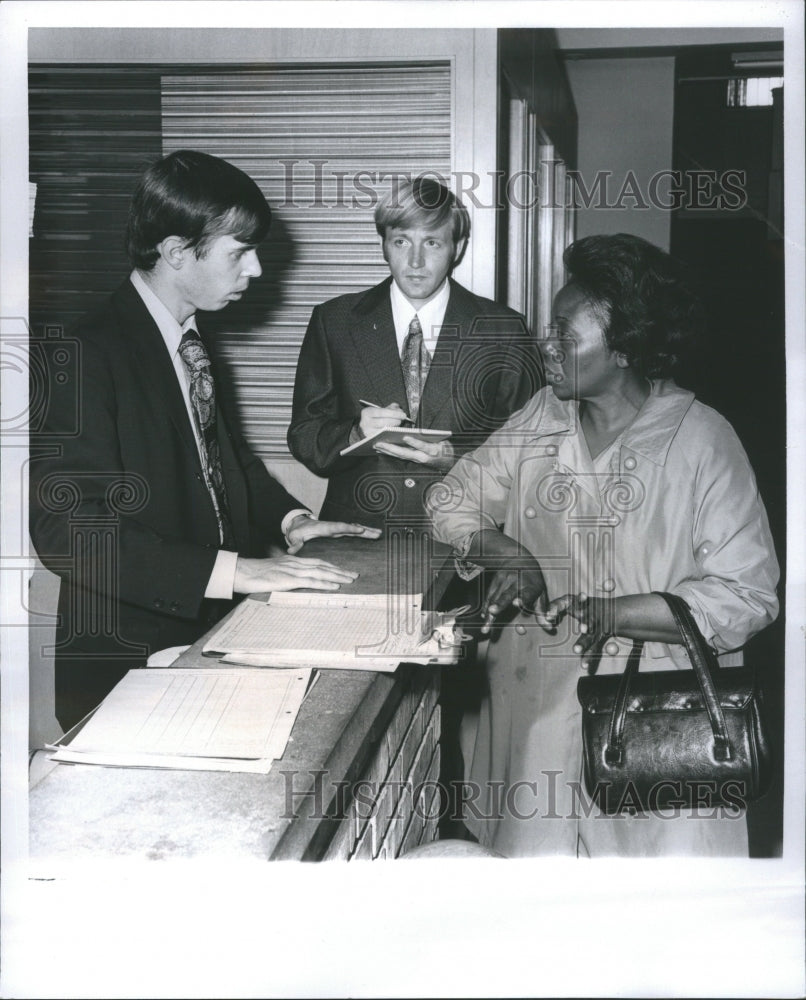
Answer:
[(729, 229)]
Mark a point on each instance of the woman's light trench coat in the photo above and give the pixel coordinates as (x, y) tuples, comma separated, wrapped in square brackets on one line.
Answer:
[(672, 505)]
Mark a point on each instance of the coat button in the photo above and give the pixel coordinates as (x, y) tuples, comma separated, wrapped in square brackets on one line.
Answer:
[(158, 602), (409, 483), (551, 449), (629, 462), (175, 605)]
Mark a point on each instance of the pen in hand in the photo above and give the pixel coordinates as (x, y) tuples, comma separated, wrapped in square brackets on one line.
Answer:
[(405, 418)]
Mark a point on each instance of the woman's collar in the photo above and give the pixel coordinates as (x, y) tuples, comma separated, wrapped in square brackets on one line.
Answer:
[(650, 434)]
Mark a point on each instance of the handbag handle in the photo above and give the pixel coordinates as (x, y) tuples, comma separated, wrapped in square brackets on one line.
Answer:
[(703, 661)]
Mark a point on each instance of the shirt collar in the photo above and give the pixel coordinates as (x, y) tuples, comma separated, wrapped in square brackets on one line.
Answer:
[(652, 432), (169, 328), (431, 314)]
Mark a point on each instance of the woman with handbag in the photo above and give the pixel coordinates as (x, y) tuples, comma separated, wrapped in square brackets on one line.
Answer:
[(609, 489)]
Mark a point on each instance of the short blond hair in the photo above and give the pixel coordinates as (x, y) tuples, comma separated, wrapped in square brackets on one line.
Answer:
[(422, 202)]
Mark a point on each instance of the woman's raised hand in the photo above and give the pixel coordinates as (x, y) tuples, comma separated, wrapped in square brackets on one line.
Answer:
[(517, 581)]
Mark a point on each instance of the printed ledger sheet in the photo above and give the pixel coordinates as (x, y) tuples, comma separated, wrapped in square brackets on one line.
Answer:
[(343, 631), (217, 719)]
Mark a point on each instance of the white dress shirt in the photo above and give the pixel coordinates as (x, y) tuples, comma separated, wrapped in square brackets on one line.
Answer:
[(222, 579), (431, 315)]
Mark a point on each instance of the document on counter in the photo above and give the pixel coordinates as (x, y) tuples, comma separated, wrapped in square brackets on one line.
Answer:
[(342, 631), (211, 720)]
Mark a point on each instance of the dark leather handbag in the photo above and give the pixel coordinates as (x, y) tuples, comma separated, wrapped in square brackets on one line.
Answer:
[(669, 738)]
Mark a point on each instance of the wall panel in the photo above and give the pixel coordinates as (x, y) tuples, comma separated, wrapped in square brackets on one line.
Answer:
[(323, 143)]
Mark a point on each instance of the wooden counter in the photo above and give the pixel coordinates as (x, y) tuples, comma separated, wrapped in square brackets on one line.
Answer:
[(357, 780)]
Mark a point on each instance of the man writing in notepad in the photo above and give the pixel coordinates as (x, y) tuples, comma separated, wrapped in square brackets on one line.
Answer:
[(417, 350), (154, 511), (420, 351)]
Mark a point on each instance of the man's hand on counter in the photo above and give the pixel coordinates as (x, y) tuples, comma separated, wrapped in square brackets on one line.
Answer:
[(304, 527), (255, 576)]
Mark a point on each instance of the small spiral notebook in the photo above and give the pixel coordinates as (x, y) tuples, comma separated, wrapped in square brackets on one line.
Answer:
[(394, 435)]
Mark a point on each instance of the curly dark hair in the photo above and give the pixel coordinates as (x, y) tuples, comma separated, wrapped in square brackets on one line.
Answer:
[(643, 296)]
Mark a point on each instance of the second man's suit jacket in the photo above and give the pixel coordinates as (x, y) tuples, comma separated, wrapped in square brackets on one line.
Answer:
[(485, 366)]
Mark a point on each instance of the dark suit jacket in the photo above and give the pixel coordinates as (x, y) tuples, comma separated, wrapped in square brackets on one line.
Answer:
[(485, 367), (119, 508)]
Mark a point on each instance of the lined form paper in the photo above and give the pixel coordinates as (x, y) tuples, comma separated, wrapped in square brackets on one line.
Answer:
[(213, 719), (327, 630)]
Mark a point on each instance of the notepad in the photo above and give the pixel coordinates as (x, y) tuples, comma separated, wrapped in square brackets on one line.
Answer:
[(342, 631), (394, 435), (214, 720)]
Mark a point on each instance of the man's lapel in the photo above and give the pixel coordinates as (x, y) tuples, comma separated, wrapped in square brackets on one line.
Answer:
[(437, 404), (372, 329), (150, 356)]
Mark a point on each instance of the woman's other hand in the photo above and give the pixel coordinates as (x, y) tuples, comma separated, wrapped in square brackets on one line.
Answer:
[(634, 616), (597, 622)]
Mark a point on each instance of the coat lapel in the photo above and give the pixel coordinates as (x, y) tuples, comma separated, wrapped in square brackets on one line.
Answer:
[(373, 334), (150, 356), (436, 407)]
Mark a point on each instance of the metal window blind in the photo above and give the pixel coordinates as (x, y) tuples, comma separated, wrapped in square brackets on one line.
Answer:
[(322, 142), (92, 131)]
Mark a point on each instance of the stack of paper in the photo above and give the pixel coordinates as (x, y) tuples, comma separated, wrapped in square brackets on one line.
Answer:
[(209, 720), (342, 631)]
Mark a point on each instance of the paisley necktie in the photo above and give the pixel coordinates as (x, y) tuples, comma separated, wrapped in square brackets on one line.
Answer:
[(414, 360), (202, 399)]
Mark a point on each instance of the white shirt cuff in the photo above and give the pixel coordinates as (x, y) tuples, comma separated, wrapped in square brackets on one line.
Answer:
[(286, 522), (221, 584)]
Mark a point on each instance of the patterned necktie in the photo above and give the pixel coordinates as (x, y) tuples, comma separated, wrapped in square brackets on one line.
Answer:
[(202, 399), (414, 360)]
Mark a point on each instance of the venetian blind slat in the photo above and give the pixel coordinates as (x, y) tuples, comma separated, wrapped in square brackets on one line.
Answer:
[(322, 142), (92, 130)]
